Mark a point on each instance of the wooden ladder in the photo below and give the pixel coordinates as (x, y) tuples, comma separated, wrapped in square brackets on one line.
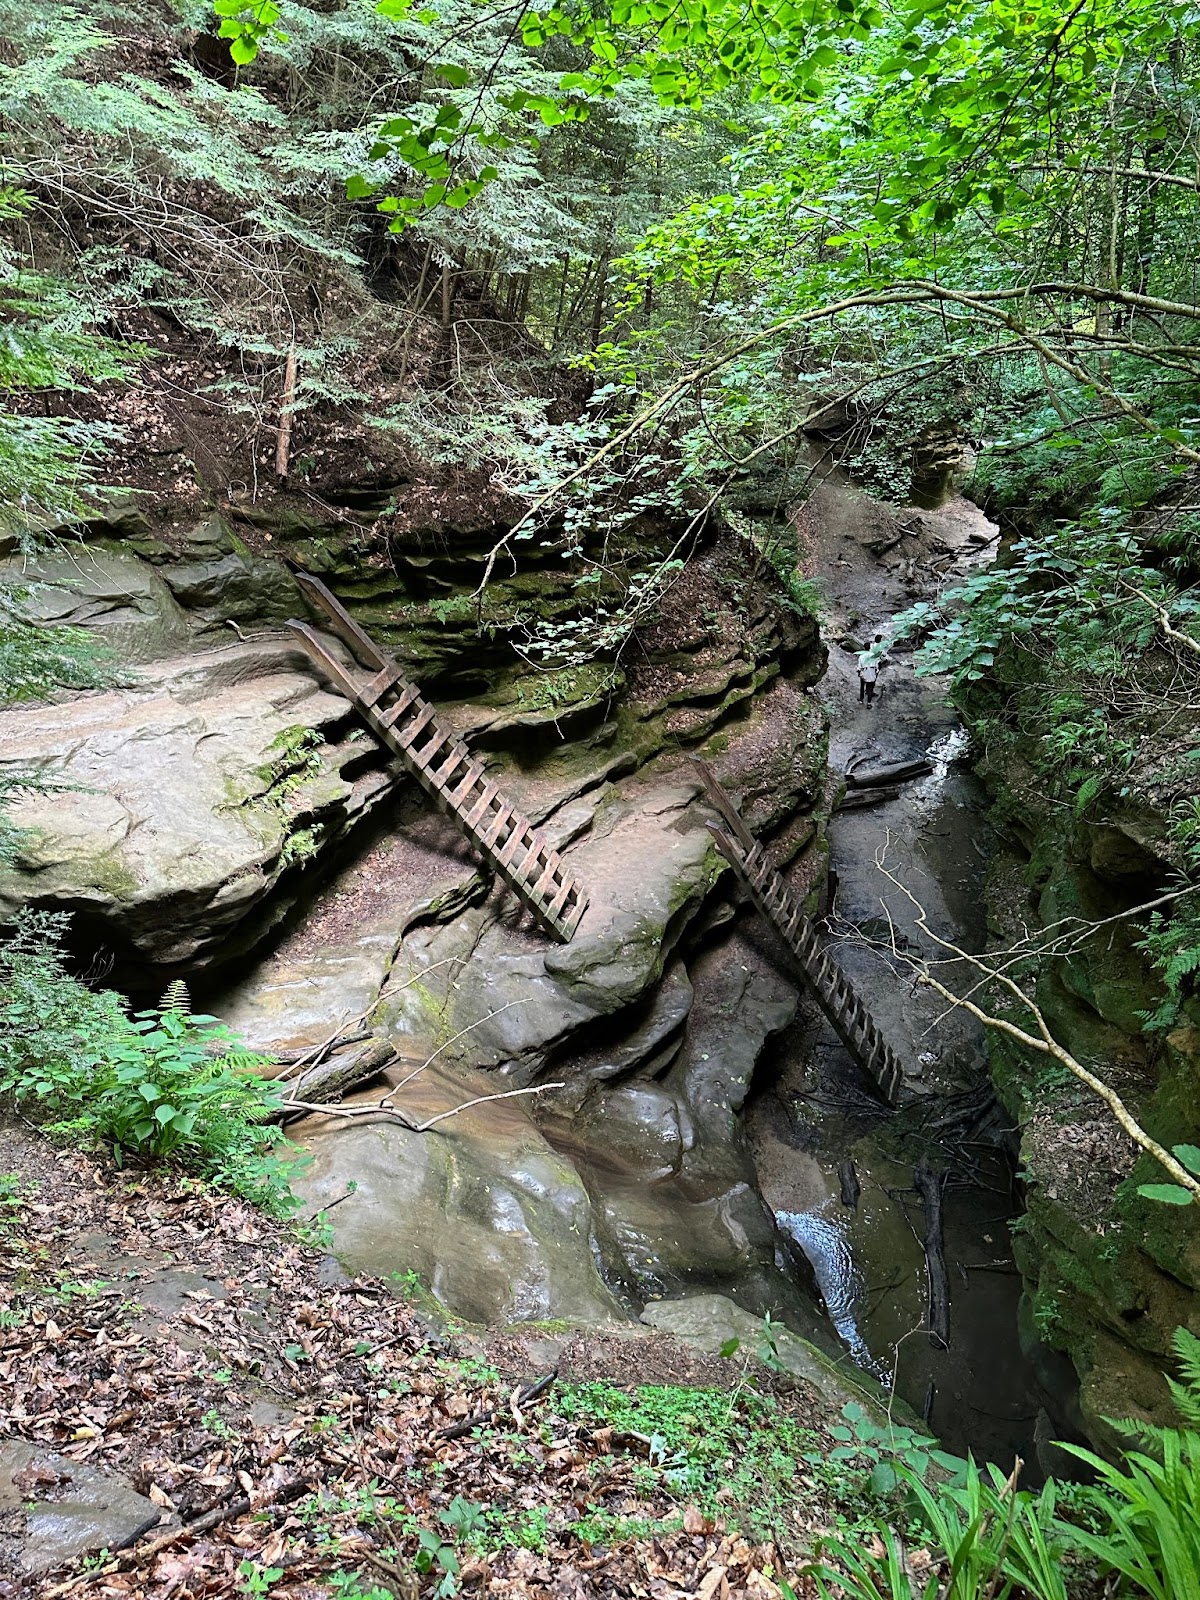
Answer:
[(400, 718), (836, 996)]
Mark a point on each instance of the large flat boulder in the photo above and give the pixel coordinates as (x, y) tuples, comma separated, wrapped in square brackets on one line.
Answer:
[(180, 801)]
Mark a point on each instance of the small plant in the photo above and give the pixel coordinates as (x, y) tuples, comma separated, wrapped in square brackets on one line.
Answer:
[(435, 1554), (1174, 1194), (1149, 1505), (880, 1452), (256, 1580), (350, 1586), (988, 1540), (213, 1422), (164, 1086)]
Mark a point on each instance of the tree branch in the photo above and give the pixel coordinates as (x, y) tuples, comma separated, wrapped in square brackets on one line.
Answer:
[(1043, 1042)]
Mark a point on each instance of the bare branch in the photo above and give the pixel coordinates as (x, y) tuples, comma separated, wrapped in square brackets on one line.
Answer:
[(1043, 1042), (381, 1108)]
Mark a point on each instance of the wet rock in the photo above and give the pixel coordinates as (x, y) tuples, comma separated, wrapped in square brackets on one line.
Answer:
[(180, 818), (643, 1044), (53, 1510), (662, 1238), (489, 1216), (638, 1127), (741, 1002)]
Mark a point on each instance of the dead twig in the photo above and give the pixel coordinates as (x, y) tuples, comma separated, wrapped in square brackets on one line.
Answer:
[(139, 1551), (459, 1430)]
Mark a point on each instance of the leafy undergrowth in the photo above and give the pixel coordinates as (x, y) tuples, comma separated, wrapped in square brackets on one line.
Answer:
[(321, 1438)]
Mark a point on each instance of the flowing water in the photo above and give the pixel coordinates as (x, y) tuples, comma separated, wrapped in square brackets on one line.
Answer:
[(821, 1140), (828, 1252)]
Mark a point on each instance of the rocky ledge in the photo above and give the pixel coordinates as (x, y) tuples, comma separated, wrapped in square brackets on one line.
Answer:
[(221, 815)]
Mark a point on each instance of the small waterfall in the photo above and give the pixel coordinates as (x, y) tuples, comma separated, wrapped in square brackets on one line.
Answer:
[(828, 1251)]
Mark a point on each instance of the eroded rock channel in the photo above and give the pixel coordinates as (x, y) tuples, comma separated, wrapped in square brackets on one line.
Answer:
[(697, 1131)]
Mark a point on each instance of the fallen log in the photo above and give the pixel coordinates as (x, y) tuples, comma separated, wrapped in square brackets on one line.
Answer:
[(312, 1053), (331, 1079), (897, 772), (851, 1188), (929, 1187)]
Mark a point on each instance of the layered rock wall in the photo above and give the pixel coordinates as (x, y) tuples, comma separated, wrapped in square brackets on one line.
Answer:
[(1110, 1274)]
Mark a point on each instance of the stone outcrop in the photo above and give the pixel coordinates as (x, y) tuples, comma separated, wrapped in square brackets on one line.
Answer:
[(193, 804), (183, 803), (222, 815)]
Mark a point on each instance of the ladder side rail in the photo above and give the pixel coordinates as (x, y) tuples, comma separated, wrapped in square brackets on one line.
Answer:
[(723, 804), (823, 976), (361, 645), (482, 825)]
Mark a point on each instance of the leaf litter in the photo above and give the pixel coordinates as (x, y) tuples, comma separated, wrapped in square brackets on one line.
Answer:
[(306, 1434)]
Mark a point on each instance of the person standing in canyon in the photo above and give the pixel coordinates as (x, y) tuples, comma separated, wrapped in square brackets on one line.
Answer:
[(870, 663)]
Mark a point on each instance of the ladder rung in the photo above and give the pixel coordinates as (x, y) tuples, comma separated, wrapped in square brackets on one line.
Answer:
[(548, 880), (496, 827), (524, 868), (473, 775), (416, 727), (392, 715), (427, 752), (382, 681), (480, 809), (444, 773), (509, 854), (560, 899)]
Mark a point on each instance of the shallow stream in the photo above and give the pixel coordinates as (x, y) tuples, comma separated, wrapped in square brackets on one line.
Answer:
[(820, 1139)]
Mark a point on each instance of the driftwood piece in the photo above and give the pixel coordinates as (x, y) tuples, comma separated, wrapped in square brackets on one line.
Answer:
[(859, 799), (897, 772), (329, 1080), (929, 1187), (851, 1188)]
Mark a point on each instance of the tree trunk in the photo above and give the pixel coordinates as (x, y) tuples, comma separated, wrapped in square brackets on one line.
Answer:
[(287, 405), (562, 300)]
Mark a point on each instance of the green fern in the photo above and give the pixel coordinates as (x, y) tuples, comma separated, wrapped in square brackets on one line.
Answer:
[(1186, 1393), (176, 998)]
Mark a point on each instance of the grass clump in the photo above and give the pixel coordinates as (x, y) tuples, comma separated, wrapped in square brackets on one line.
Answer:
[(734, 1454), (1135, 1532)]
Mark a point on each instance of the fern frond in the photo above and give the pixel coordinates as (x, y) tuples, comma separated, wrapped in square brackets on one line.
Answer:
[(1186, 1394), (176, 998)]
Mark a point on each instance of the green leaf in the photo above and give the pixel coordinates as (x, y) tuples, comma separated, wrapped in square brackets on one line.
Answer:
[(149, 1092), (1188, 1155), (358, 187), (456, 77), (1170, 1194), (730, 1347), (164, 1114)]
